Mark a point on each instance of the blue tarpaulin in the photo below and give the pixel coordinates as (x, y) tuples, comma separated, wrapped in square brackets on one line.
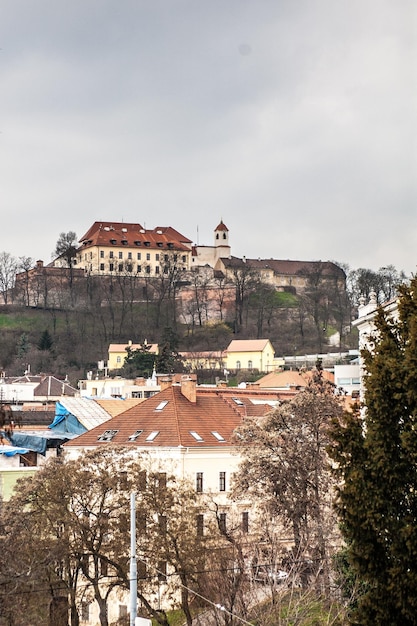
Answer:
[(12, 450), (66, 422)]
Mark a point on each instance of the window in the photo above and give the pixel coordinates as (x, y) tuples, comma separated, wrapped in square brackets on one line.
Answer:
[(250, 365), (148, 269), (153, 435), (222, 522), (148, 256), (142, 480), (199, 482), (129, 255), (156, 257), (139, 269), (139, 255), (101, 254), (162, 480), (104, 567), (161, 405), (222, 481), (85, 612), (118, 359), (129, 267), (162, 571), (141, 570), (157, 269), (217, 435), (111, 267), (111, 254), (184, 258), (101, 267), (196, 436), (120, 254), (162, 522), (135, 435), (238, 365), (200, 525), (29, 459), (107, 435), (245, 522), (124, 242)]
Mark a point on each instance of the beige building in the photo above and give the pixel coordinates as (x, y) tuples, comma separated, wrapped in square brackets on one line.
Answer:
[(118, 247)]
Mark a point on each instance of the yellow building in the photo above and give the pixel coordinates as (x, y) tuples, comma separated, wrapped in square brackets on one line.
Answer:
[(250, 354), (118, 353)]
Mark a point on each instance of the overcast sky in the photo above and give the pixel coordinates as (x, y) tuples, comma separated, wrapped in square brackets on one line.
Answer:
[(294, 121)]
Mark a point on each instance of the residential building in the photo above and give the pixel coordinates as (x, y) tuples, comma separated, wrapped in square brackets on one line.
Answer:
[(250, 354), (118, 352), (190, 431)]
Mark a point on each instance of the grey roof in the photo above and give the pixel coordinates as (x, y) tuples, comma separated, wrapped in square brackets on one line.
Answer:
[(88, 412)]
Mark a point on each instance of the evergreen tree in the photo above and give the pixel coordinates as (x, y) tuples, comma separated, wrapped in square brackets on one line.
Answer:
[(140, 362), (169, 360), (376, 457), (46, 341)]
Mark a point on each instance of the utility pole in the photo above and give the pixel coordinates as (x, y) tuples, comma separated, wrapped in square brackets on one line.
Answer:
[(133, 566)]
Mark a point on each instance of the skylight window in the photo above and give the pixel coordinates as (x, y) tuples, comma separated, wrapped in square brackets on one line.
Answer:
[(217, 435), (161, 405), (238, 401), (196, 436), (153, 435), (135, 435), (107, 435)]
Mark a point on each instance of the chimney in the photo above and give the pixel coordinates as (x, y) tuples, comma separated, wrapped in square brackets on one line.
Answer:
[(165, 382), (189, 389)]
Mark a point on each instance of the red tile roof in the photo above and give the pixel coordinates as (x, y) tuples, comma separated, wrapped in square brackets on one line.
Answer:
[(174, 417), (122, 233)]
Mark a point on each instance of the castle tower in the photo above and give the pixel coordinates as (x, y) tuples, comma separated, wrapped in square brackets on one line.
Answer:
[(221, 242)]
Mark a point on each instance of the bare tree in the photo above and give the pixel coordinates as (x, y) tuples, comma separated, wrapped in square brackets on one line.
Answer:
[(285, 466), (8, 268)]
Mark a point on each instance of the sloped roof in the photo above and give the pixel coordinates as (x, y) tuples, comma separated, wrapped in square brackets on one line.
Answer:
[(289, 378), (247, 345), (116, 406), (88, 412), (121, 347), (123, 233), (170, 414), (285, 267), (222, 226), (44, 384)]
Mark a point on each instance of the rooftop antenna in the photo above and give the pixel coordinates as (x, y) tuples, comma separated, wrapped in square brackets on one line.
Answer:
[(198, 242)]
